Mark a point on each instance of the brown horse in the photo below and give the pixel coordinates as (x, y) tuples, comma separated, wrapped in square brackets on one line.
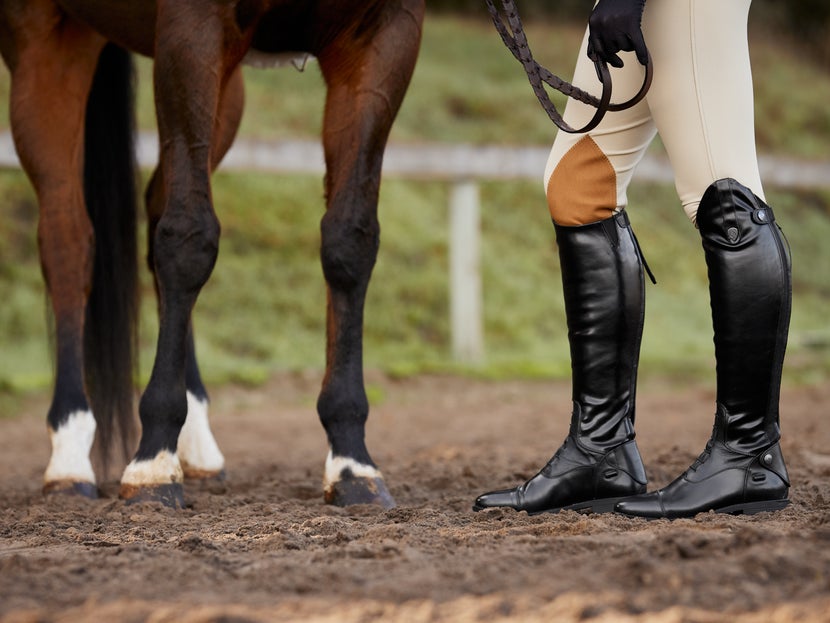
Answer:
[(71, 120)]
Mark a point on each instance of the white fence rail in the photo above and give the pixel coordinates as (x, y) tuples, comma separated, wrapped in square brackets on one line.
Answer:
[(446, 162), (463, 166)]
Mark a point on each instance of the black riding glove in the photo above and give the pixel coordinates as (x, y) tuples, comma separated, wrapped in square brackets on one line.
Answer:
[(614, 27)]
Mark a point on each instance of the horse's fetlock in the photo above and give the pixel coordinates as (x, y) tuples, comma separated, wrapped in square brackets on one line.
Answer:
[(162, 415), (333, 404), (160, 409)]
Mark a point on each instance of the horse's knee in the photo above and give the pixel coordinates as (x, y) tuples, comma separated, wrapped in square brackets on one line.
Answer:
[(583, 187), (185, 247), (348, 250)]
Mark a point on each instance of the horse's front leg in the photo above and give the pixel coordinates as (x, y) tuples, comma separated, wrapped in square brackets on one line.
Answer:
[(366, 82), (191, 65), (198, 451)]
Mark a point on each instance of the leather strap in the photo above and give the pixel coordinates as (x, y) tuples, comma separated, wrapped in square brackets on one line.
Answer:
[(516, 41)]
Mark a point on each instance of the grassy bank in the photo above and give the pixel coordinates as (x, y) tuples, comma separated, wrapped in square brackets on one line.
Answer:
[(263, 310)]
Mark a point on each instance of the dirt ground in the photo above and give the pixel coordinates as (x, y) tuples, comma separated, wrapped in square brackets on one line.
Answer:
[(262, 546)]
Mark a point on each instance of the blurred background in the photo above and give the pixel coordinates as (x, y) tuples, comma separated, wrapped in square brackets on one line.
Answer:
[(263, 311)]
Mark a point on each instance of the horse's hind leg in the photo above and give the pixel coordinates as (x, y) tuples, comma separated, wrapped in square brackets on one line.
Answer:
[(198, 451), (191, 64), (366, 79), (52, 70)]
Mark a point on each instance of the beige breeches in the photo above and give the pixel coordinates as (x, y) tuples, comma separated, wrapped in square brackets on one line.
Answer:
[(700, 102)]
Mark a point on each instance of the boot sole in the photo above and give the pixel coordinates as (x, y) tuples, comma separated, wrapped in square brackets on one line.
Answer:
[(748, 508), (590, 507), (752, 508)]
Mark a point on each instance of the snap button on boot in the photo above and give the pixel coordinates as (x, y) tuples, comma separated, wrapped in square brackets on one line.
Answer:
[(761, 216)]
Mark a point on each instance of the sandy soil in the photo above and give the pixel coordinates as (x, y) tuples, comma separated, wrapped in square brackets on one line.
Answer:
[(263, 547)]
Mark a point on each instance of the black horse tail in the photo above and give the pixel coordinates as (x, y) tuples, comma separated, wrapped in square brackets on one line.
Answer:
[(111, 334)]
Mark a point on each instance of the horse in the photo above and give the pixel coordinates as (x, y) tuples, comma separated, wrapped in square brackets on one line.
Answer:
[(71, 117)]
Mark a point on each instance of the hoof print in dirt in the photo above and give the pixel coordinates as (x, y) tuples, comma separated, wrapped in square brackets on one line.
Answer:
[(70, 487), (169, 495), (359, 490)]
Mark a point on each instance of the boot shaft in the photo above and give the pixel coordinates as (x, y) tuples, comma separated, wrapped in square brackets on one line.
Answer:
[(750, 289), (602, 280)]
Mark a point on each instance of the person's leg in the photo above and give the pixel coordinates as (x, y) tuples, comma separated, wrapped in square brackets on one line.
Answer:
[(602, 278), (706, 123), (703, 106)]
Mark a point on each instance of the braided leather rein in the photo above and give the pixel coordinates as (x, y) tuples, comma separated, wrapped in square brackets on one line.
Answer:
[(516, 41)]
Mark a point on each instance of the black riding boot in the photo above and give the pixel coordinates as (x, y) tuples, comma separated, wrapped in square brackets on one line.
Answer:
[(742, 469), (599, 463)]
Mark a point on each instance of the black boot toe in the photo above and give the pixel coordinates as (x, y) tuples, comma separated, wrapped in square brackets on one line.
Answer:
[(648, 506), (497, 499)]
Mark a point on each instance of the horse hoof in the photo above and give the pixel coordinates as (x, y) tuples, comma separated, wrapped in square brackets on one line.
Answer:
[(170, 495), (70, 487), (359, 490), (214, 482), (204, 475)]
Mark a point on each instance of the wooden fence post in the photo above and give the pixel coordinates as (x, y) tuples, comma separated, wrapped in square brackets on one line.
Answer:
[(465, 275)]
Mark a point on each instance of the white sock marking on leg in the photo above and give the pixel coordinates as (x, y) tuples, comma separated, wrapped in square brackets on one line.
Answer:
[(162, 470), (197, 447), (335, 465), (71, 445)]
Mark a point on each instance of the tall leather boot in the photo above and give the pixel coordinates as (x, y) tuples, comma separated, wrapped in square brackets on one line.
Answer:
[(742, 469), (599, 463)]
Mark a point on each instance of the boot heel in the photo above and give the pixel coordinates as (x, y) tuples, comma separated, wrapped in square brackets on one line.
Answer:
[(604, 506), (751, 508), (594, 507)]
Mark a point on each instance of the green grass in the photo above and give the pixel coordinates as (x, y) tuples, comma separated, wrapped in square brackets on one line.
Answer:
[(263, 310)]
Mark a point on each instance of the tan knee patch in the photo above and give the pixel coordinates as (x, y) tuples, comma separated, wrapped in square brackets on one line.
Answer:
[(583, 186)]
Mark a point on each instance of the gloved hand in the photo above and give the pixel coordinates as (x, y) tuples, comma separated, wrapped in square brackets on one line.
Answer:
[(615, 26)]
